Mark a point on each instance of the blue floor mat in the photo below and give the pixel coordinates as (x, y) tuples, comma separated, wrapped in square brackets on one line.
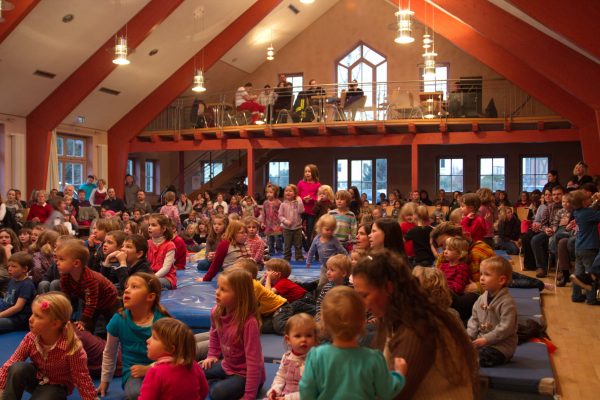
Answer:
[(191, 304), (273, 347)]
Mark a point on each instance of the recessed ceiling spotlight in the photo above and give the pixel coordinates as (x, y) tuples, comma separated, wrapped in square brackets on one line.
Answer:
[(68, 18), (153, 52)]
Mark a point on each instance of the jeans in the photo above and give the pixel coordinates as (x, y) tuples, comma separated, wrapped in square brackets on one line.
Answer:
[(203, 265), (275, 244), (165, 284), (132, 388), (509, 246), (223, 386), (583, 263), (539, 246), (490, 357), (292, 237), (47, 286), (565, 253), (560, 233), (22, 376)]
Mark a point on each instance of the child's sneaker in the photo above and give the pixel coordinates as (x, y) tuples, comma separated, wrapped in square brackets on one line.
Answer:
[(591, 295), (583, 281)]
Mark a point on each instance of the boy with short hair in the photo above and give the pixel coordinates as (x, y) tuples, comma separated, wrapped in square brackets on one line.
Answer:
[(438, 215), (98, 294), (255, 244), (131, 259), (276, 278), (472, 224), (493, 323), (587, 244), (346, 226), (15, 307), (339, 268)]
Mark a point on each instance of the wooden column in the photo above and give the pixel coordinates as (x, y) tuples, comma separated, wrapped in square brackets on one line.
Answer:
[(181, 187), (414, 166), (250, 169)]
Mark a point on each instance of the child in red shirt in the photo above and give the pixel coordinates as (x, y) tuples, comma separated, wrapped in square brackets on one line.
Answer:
[(276, 278), (472, 224)]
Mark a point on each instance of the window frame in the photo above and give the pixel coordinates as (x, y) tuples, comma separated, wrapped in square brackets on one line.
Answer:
[(438, 175), (211, 165), (268, 175), (493, 189), (521, 172), (153, 177), (374, 195), (64, 159)]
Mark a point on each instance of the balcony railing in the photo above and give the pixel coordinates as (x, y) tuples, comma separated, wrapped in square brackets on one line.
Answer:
[(465, 98)]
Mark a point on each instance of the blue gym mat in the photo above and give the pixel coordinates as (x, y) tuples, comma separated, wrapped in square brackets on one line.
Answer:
[(273, 347), (191, 304)]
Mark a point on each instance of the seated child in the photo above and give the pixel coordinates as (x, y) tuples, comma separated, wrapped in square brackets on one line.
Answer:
[(493, 324), (343, 369), (112, 243), (472, 224), (434, 282), (188, 236), (51, 279), (438, 216), (55, 354), (15, 307), (455, 268), (339, 268), (325, 245), (277, 279), (419, 236), (174, 374), (131, 258), (300, 337), (98, 294)]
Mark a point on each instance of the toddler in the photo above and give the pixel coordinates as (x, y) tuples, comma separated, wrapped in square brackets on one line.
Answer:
[(290, 217), (255, 244), (339, 268), (455, 268), (438, 215), (435, 284), (300, 337), (170, 210), (493, 324), (15, 307), (407, 222), (270, 220), (325, 245), (342, 369), (473, 225)]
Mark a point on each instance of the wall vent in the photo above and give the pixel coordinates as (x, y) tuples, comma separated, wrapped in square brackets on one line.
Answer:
[(109, 91), (44, 74)]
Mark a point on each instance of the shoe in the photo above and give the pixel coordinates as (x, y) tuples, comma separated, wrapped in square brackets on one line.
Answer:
[(540, 273), (582, 282), (563, 280), (579, 299)]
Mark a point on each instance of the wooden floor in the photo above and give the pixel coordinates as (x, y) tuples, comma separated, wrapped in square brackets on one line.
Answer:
[(575, 329)]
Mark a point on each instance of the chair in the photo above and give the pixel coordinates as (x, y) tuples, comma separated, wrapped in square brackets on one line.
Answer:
[(357, 106), (335, 110), (402, 104), (281, 114)]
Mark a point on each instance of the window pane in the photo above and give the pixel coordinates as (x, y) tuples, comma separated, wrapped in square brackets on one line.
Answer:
[(381, 170), (352, 57), (279, 173), (446, 183), (457, 183), (534, 171), (149, 182), (373, 57), (70, 146), (498, 182), (59, 146), (342, 170), (356, 172), (130, 167), (486, 166), (78, 148), (445, 164), (485, 181), (457, 166)]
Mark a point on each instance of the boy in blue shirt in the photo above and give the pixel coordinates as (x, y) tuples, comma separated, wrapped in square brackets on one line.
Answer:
[(15, 307), (587, 244)]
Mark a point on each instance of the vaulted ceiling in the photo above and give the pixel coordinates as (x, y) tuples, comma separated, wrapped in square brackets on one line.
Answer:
[(550, 48)]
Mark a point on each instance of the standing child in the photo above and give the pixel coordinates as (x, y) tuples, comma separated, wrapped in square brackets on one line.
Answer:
[(586, 247), (98, 294), (58, 361), (488, 212), (419, 236), (170, 210), (343, 369), (407, 222), (300, 337), (455, 268), (493, 324), (339, 268), (270, 220), (249, 207), (346, 227), (234, 340), (231, 248), (15, 307), (256, 246), (290, 217), (325, 202), (175, 373), (325, 245), (130, 328), (217, 227), (307, 190), (234, 206), (161, 251), (473, 225)]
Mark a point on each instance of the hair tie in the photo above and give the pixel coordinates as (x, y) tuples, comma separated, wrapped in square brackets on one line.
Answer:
[(44, 305)]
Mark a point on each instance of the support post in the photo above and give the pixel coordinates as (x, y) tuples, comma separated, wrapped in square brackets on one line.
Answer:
[(414, 165), (181, 172), (250, 169)]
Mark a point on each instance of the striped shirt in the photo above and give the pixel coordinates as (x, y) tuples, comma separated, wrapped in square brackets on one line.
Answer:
[(346, 227), (55, 367), (256, 247), (97, 292)]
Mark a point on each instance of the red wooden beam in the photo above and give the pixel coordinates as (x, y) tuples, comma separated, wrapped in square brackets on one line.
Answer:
[(475, 127), (53, 110), (137, 118), (14, 17), (375, 140), (198, 136), (567, 68), (576, 20), (296, 132)]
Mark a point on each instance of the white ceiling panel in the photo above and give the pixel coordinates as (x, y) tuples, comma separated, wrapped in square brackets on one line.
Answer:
[(42, 41), (177, 39)]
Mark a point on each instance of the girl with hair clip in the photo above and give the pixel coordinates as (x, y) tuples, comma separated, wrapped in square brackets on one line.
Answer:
[(161, 251), (443, 363), (307, 191), (130, 328), (234, 366), (231, 248), (488, 212), (290, 216), (300, 337), (58, 361), (216, 228), (174, 374)]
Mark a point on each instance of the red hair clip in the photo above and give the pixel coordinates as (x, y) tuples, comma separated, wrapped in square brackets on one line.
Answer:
[(44, 305)]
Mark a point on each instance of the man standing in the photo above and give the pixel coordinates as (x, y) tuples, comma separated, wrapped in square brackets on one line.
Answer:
[(131, 190), (88, 186)]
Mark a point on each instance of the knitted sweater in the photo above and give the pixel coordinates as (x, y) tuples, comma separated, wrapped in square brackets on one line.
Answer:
[(290, 214), (288, 376)]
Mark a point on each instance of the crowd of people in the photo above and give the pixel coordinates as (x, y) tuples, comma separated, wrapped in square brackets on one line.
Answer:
[(411, 299)]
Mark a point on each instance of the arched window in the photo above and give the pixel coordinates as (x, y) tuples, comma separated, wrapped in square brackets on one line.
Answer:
[(368, 67)]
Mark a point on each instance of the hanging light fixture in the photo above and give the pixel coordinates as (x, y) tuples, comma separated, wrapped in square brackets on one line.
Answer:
[(404, 18), (270, 49), (307, 1), (121, 51), (199, 82), (430, 54)]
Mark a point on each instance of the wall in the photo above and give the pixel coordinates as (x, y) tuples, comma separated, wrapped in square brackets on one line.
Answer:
[(13, 168)]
